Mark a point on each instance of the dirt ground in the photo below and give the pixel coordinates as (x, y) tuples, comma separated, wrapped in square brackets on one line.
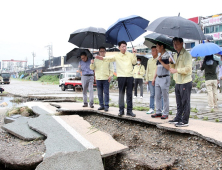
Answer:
[(17, 153), (150, 148)]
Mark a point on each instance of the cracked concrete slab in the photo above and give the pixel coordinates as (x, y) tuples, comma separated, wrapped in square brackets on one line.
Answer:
[(58, 138), (20, 129), (104, 141), (89, 159), (11, 118), (207, 130), (46, 107), (141, 116)]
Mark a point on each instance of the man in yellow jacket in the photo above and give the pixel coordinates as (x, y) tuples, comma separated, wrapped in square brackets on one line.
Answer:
[(182, 71), (138, 73), (124, 66), (150, 72), (103, 72)]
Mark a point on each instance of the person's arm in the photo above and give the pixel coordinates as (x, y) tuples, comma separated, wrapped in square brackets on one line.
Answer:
[(92, 65), (134, 70), (166, 66), (111, 69), (108, 58), (79, 67), (134, 58), (147, 73), (154, 78), (142, 70), (203, 66), (188, 65), (172, 65)]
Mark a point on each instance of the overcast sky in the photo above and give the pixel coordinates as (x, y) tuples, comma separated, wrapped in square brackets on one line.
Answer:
[(30, 25)]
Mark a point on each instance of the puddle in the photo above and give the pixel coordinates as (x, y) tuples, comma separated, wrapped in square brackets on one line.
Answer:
[(10, 102)]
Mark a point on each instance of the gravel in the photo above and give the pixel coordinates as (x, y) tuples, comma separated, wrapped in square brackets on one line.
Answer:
[(152, 148)]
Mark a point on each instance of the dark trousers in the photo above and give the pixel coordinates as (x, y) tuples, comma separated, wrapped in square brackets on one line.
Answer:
[(183, 92), (125, 83), (140, 82), (103, 88)]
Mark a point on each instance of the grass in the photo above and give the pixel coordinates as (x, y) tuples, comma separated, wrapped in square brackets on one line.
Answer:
[(194, 110), (217, 120), (18, 110), (195, 117), (205, 118), (170, 112), (141, 108), (191, 116), (54, 79), (212, 110), (96, 101), (17, 100)]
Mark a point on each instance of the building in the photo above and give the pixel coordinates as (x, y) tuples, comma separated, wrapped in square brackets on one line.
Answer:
[(212, 25), (13, 65), (141, 49)]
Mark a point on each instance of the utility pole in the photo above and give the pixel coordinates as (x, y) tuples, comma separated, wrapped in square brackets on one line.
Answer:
[(50, 52), (33, 54)]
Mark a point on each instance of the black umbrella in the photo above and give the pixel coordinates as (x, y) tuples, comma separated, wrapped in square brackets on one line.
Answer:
[(144, 59), (155, 37), (177, 26), (90, 37), (73, 57)]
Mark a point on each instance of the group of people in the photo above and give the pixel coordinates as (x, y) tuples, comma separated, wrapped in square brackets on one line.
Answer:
[(157, 78)]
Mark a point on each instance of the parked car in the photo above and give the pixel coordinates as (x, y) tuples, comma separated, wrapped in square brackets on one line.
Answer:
[(70, 80), (5, 78)]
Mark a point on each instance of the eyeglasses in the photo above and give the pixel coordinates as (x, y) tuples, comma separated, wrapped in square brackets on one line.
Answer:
[(102, 51)]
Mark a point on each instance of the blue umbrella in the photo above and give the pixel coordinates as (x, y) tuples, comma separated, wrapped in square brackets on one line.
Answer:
[(126, 29), (205, 49), (220, 51)]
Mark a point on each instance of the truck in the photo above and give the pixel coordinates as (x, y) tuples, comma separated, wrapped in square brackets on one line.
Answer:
[(70, 80), (5, 78)]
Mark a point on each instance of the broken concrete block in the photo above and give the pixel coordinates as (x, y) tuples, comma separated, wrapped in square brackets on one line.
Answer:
[(89, 159), (20, 129), (11, 119), (39, 111), (58, 138), (104, 141)]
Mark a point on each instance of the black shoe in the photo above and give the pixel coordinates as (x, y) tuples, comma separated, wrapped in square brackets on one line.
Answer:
[(164, 117), (181, 124), (131, 114), (106, 109), (85, 105), (173, 121), (121, 114), (156, 115), (92, 106), (101, 108)]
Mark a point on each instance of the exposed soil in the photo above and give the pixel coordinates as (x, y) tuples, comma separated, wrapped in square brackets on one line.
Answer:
[(16, 153), (150, 148)]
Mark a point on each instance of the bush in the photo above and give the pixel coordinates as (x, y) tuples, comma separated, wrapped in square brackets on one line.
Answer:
[(50, 79)]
